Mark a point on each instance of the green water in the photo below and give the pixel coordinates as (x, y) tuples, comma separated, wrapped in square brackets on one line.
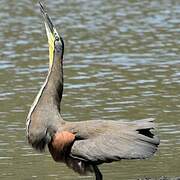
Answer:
[(122, 61)]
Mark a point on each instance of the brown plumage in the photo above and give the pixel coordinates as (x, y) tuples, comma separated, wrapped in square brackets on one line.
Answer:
[(61, 143), (81, 145)]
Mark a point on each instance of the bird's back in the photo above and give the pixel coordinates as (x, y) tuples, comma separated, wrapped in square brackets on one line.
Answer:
[(96, 142)]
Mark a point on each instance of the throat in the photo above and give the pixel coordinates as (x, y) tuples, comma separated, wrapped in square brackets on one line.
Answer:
[(47, 102)]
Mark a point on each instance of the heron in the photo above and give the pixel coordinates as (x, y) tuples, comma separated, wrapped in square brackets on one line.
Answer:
[(81, 145)]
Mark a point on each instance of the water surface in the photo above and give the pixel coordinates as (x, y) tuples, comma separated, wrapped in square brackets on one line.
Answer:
[(122, 61)]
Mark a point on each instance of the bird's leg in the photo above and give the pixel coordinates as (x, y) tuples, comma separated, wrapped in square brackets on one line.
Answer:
[(97, 173)]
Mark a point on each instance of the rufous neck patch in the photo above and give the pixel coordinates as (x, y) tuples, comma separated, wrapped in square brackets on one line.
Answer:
[(62, 139)]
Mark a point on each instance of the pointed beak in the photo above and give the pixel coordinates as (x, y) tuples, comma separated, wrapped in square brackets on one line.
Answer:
[(47, 19), (51, 33)]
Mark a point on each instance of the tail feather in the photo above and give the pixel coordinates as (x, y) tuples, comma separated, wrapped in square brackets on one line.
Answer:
[(144, 124), (144, 129)]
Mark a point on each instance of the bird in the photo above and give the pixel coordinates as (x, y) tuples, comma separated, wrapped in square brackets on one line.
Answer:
[(81, 145)]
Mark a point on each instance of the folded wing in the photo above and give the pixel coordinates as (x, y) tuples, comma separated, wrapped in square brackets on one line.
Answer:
[(117, 140)]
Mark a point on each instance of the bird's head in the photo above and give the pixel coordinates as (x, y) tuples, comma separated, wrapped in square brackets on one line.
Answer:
[(56, 43)]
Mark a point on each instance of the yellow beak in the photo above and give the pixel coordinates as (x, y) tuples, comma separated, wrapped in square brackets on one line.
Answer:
[(51, 33)]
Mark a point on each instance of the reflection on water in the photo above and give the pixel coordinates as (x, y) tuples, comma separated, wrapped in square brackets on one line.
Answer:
[(121, 62)]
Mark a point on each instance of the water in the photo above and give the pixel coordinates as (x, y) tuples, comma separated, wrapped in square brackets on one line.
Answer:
[(121, 62)]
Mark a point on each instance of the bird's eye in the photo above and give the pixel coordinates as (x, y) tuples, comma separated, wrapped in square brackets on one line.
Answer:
[(56, 38)]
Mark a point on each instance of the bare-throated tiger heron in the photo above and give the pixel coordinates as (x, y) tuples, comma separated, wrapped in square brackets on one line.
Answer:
[(83, 145)]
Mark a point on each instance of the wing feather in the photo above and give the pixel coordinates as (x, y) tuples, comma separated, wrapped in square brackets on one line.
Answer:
[(119, 140)]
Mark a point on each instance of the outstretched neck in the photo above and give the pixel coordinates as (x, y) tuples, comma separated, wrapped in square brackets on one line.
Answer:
[(55, 79), (44, 116), (49, 97)]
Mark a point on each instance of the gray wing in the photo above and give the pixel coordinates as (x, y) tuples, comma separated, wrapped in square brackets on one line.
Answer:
[(114, 140)]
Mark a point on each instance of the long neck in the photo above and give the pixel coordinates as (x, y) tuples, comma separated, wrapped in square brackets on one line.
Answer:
[(44, 116), (49, 97), (54, 86)]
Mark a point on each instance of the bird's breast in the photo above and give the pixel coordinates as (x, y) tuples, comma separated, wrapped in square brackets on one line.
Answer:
[(61, 144)]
